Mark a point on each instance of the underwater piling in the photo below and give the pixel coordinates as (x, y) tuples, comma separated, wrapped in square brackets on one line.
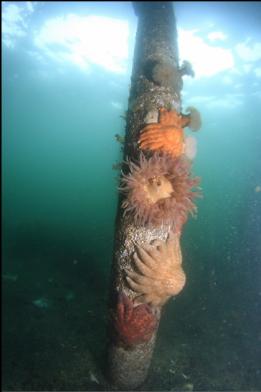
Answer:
[(156, 83)]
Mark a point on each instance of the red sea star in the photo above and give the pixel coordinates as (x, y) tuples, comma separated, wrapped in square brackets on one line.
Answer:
[(134, 324)]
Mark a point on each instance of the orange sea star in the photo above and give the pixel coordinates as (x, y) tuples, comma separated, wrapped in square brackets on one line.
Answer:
[(167, 135)]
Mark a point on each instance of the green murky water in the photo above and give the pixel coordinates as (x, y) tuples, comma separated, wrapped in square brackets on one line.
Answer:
[(66, 81)]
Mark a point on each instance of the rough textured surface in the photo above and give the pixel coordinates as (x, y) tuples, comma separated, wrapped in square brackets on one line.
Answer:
[(130, 376), (156, 45)]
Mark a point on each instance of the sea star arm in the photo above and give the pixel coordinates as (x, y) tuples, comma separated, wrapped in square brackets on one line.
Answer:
[(124, 307), (139, 283), (153, 146), (151, 299), (151, 127), (173, 249), (145, 258), (168, 117), (170, 140), (147, 254), (162, 132), (139, 279), (142, 267)]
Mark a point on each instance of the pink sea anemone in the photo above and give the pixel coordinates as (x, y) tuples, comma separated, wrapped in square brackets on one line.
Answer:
[(159, 191)]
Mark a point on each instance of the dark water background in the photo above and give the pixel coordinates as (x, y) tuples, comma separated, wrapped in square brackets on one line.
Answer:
[(60, 198)]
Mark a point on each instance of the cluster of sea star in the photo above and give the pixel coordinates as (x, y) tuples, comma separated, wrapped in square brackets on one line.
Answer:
[(158, 192)]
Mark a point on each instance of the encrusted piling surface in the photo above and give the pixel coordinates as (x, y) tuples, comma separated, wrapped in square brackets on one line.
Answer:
[(156, 82)]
